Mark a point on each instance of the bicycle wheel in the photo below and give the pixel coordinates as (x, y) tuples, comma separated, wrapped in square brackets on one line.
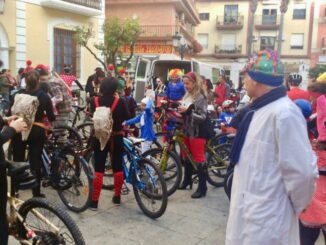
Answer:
[(228, 183), (66, 134), (173, 169), (41, 217), (217, 163), (149, 188), (85, 130), (75, 187)]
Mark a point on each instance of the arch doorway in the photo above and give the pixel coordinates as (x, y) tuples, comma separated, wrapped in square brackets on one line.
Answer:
[(4, 47)]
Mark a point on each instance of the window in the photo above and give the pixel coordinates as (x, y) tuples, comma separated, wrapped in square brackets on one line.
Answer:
[(228, 42), (299, 12), (66, 51), (204, 16), (267, 42), (231, 14), (203, 40), (269, 16), (297, 41)]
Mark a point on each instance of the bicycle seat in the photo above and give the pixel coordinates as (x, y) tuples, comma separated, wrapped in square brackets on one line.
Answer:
[(136, 141), (80, 108), (16, 168)]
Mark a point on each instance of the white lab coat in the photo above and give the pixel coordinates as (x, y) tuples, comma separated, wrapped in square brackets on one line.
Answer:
[(274, 179)]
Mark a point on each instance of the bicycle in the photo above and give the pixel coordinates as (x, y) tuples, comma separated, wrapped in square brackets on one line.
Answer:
[(65, 169), (37, 221), (144, 176), (217, 156)]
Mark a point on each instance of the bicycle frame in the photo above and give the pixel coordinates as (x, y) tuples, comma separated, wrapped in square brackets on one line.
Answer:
[(178, 137), (132, 157), (14, 204)]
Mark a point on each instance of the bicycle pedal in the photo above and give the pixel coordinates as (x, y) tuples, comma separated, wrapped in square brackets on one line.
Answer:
[(125, 190)]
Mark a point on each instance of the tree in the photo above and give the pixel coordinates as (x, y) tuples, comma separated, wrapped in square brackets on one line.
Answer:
[(316, 71), (117, 35)]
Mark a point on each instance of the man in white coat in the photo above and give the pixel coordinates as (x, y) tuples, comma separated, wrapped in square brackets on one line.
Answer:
[(274, 165)]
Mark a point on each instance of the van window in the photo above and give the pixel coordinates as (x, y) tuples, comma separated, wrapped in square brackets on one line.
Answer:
[(196, 67), (141, 72)]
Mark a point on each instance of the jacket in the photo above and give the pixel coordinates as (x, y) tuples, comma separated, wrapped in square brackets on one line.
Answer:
[(175, 91), (194, 118), (274, 179), (223, 92), (146, 120)]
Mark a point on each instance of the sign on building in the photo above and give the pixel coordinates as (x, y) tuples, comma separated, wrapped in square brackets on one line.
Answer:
[(322, 59)]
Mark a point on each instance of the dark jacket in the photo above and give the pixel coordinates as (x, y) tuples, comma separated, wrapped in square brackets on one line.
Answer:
[(6, 134)]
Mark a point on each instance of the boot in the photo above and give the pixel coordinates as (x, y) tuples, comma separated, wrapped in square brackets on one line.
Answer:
[(187, 180), (97, 187), (37, 189), (202, 186), (118, 182)]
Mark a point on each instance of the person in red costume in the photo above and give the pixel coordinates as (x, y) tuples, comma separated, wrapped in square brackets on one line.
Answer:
[(67, 77), (222, 91), (295, 92)]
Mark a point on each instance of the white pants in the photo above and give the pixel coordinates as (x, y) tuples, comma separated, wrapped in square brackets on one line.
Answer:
[(145, 146)]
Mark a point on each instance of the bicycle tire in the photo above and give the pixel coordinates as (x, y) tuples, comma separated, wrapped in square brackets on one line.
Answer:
[(216, 177), (55, 210), (172, 182), (154, 197), (74, 138), (228, 180), (79, 181), (85, 130)]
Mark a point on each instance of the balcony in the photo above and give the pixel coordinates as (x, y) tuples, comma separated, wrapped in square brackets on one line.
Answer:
[(81, 7), (228, 51), (158, 32), (228, 22), (267, 22)]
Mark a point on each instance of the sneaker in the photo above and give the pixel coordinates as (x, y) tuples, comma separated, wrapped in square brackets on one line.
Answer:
[(93, 206), (116, 200)]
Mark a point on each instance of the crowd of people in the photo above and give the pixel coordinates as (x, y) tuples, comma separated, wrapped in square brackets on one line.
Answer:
[(279, 132)]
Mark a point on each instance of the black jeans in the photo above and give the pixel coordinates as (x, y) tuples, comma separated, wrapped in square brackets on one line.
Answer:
[(3, 205), (309, 236), (35, 141)]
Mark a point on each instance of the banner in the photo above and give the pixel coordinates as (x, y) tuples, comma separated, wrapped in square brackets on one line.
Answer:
[(150, 49)]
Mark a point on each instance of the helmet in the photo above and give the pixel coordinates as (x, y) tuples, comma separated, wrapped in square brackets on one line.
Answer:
[(322, 77), (175, 74), (227, 104), (305, 107), (295, 79)]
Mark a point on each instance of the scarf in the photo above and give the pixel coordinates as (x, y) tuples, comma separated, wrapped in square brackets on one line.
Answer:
[(247, 115)]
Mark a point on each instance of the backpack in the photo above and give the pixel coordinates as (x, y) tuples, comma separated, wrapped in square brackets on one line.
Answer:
[(103, 121), (25, 106)]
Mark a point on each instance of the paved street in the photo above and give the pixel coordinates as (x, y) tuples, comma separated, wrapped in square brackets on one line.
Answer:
[(186, 221)]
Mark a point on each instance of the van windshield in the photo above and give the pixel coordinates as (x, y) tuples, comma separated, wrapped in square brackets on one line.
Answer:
[(161, 68)]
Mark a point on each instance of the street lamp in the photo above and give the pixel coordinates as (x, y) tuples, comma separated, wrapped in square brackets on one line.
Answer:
[(180, 43)]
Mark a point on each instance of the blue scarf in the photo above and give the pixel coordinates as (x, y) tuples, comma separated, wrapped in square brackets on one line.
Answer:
[(247, 115)]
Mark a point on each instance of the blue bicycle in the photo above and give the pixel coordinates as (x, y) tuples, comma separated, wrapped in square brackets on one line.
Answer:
[(147, 180)]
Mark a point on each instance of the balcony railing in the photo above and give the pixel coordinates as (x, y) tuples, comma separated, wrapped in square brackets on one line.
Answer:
[(267, 22), (229, 22), (228, 50), (159, 31), (95, 4)]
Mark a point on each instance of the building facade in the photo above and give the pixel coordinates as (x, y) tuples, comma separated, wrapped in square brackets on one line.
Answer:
[(225, 27), (162, 22), (318, 52), (43, 31)]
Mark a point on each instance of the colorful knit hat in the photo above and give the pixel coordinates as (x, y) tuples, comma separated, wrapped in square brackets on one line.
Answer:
[(175, 74), (266, 68)]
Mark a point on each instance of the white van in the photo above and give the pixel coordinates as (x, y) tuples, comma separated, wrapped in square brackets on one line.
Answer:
[(148, 68)]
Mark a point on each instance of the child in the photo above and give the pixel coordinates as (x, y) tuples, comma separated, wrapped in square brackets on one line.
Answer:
[(228, 112), (146, 120)]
